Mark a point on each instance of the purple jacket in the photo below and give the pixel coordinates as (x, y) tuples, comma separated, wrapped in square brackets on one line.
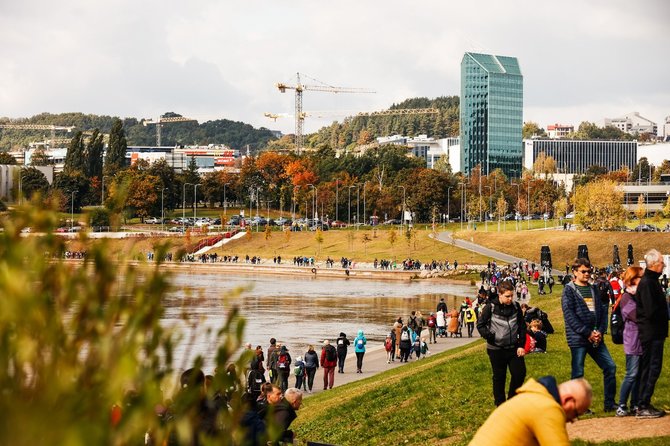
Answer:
[(631, 336)]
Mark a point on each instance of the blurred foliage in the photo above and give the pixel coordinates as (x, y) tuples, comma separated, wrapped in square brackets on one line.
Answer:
[(84, 359)]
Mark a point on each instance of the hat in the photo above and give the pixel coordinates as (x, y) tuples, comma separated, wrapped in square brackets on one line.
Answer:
[(283, 348), (299, 358)]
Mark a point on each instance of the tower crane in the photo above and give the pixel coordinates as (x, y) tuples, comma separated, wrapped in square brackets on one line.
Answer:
[(52, 128), (299, 88), (321, 114), (164, 120)]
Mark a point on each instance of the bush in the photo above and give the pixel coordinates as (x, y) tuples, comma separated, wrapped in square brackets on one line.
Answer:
[(99, 216), (79, 340)]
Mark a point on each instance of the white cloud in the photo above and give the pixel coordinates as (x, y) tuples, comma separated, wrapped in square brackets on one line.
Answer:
[(214, 59)]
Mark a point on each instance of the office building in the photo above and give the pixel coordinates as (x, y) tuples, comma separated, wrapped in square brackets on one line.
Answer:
[(632, 123), (491, 113), (576, 156), (557, 131)]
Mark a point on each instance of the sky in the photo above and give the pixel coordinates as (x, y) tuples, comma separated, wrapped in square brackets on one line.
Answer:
[(582, 60)]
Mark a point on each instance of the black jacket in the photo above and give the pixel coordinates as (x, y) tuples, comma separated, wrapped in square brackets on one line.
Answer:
[(283, 415), (502, 326), (342, 343), (652, 308)]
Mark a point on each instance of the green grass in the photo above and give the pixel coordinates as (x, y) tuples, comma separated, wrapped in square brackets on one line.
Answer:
[(444, 397)]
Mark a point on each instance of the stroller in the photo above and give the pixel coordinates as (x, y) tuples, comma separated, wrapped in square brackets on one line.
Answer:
[(455, 327)]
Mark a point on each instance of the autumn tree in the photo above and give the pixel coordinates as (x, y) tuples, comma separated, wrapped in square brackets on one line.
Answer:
[(531, 129), (560, 207), (641, 209), (544, 164), (598, 205), (501, 209), (6, 158)]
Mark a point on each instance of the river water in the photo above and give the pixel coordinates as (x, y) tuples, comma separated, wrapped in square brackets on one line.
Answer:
[(296, 311)]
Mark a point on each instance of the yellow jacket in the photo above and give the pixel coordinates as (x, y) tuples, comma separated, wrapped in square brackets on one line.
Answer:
[(532, 417)]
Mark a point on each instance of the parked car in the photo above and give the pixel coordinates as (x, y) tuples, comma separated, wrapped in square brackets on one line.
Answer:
[(176, 229), (338, 224), (392, 221), (152, 221), (570, 215), (647, 228)]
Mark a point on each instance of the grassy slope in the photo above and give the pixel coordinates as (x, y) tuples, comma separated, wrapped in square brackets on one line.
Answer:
[(443, 399), (563, 244), (348, 243)]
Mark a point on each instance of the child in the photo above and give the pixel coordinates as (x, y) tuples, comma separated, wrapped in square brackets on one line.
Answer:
[(299, 372), (417, 347), (539, 336), (389, 347), (424, 347)]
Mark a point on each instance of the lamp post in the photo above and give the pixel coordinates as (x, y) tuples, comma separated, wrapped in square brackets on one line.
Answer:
[(102, 200), (402, 217), (337, 199), (225, 202), (517, 204), (486, 225), (448, 210), (293, 206), (313, 197), (183, 208), (163, 209), (358, 203), (72, 212), (364, 184), (195, 202), (529, 203), (349, 207)]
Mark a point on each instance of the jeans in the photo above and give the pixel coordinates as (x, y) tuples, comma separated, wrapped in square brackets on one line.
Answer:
[(359, 360), (300, 382), (328, 377), (432, 335), (650, 369), (341, 356), (500, 361), (602, 357), (310, 377), (471, 328), (629, 386), (404, 353)]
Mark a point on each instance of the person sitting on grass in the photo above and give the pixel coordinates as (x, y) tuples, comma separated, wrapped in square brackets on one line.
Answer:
[(539, 336)]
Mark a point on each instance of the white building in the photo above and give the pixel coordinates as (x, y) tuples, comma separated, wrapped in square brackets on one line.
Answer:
[(666, 130), (556, 131), (633, 123)]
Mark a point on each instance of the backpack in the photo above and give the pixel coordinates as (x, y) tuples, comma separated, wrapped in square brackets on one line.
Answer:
[(360, 343), (431, 322), (616, 323), (297, 370), (282, 361), (331, 354), (413, 324), (417, 345), (404, 336), (388, 344)]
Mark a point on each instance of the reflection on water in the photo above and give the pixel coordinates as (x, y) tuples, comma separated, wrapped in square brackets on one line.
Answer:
[(299, 311)]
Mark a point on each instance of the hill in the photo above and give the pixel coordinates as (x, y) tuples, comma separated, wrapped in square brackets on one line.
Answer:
[(221, 131)]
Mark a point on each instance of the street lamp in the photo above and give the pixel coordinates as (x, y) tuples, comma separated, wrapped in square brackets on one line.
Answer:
[(349, 209), (337, 199), (294, 203), (461, 210), (313, 201), (358, 203), (102, 200), (225, 202), (402, 217), (517, 204), (364, 184), (486, 225), (72, 212), (195, 202), (183, 208), (448, 210), (163, 208), (529, 203)]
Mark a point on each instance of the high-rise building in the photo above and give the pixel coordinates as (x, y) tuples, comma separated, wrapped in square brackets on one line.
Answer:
[(491, 113)]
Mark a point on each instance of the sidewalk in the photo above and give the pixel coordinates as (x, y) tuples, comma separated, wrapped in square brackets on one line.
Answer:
[(374, 361)]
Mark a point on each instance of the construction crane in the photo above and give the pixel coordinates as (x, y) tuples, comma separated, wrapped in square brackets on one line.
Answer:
[(322, 114), (164, 120), (299, 88), (52, 128)]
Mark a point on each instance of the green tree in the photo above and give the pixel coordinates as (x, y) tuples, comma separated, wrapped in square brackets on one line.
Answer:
[(115, 158), (32, 182), (69, 182), (94, 153), (6, 158), (75, 159), (40, 157), (642, 170), (531, 129), (319, 238)]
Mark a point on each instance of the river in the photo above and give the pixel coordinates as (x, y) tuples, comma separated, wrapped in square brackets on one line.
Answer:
[(296, 311)]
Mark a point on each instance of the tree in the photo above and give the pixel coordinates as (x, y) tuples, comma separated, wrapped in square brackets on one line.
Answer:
[(598, 205), (116, 150), (544, 164), (40, 157), (443, 165), (93, 154), (319, 238), (641, 209), (531, 129), (642, 170), (561, 207), (666, 208), (365, 239), (6, 158), (75, 158), (501, 209), (392, 238), (33, 181)]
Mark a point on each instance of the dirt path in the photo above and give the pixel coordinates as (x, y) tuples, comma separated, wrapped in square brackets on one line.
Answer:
[(619, 429)]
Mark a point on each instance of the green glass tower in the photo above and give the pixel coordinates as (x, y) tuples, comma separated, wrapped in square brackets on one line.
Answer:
[(491, 113)]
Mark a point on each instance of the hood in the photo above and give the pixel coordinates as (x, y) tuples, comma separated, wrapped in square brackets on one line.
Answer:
[(360, 333), (283, 349), (342, 335), (545, 387)]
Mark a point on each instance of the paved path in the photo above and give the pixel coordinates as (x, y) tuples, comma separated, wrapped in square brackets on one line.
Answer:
[(446, 237), (374, 361)]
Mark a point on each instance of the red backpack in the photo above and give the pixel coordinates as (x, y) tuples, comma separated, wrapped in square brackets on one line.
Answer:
[(388, 344)]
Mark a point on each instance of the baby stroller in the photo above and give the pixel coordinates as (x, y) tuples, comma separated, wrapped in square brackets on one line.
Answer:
[(442, 331)]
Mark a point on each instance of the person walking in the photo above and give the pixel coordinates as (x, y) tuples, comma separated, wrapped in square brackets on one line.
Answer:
[(389, 347), (328, 362), (359, 349), (405, 343), (652, 322), (432, 328), (311, 364), (397, 328), (585, 314), (283, 365), (299, 372), (502, 325), (342, 344), (631, 340), (270, 358)]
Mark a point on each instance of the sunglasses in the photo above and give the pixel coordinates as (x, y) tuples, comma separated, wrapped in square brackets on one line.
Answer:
[(584, 271)]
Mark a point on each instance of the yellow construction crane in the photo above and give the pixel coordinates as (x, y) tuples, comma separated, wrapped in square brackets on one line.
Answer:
[(164, 120), (299, 88), (52, 128), (322, 114)]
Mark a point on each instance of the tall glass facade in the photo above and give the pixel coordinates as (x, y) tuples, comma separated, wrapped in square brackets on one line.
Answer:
[(491, 113)]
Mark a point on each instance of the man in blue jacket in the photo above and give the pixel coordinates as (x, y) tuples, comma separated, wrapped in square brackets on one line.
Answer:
[(585, 314)]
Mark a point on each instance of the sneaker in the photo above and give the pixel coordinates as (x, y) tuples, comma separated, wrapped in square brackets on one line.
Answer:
[(589, 412), (610, 409), (649, 412), (622, 411)]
